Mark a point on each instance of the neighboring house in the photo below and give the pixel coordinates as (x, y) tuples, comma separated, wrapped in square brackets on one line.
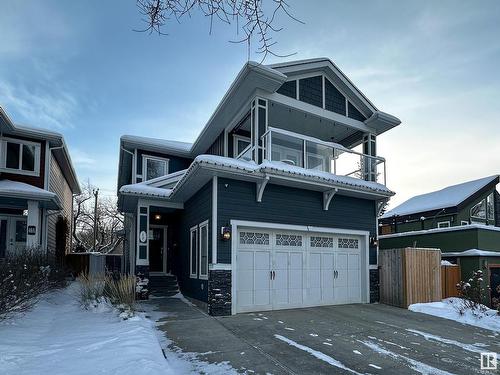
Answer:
[(462, 220), (272, 207), (37, 183)]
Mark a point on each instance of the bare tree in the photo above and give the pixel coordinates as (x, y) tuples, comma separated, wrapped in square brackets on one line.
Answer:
[(251, 17), (106, 220)]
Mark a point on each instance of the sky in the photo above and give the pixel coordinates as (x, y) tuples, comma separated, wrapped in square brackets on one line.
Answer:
[(79, 68)]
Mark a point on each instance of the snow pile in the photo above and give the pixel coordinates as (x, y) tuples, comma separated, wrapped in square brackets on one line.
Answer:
[(447, 263), (446, 309), (59, 337)]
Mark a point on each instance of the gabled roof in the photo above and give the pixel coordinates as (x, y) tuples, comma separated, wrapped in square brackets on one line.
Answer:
[(450, 196), (54, 139)]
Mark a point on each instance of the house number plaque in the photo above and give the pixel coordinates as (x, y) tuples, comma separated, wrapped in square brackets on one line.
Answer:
[(143, 236)]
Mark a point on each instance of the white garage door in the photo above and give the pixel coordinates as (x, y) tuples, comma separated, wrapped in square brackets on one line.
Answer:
[(287, 269)]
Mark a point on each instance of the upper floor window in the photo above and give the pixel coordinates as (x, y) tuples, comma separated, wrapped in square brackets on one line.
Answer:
[(485, 209), (241, 144), (154, 167), (20, 156)]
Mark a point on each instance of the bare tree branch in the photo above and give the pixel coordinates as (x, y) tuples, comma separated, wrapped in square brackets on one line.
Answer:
[(249, 16)]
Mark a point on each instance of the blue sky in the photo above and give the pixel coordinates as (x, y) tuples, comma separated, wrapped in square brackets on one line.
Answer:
[(80, 69)]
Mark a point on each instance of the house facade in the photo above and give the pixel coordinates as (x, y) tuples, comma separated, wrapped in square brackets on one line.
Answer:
[(274, 205), (462, 220), (37, 183)]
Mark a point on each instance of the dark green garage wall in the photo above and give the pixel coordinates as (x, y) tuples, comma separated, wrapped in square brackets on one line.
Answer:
[(285, 205), (458, 240), (196, 210)]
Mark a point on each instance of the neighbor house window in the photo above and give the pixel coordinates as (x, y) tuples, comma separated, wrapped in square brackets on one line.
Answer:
[(193, 253), (490, 207), (203, 231), (154, 167), (478, 211), (444, 224), (21, 156), (463, 222)]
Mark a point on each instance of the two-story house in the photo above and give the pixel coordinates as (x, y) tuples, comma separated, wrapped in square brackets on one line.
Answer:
[(462, 220), (37, 183), (274, 205)]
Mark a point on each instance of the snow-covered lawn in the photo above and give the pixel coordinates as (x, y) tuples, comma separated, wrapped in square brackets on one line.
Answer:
[(59, 337), (446, 309)]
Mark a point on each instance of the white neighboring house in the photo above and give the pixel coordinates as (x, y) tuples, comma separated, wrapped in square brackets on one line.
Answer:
[(37, 184)]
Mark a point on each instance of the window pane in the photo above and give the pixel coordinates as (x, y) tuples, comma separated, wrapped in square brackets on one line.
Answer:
[(318, 156), (287, 149), (490, 203), (479, 210), (20, 231), (204, 251), (28, 158), (194, 249), (242, 144), (12, 155), (155, 168)]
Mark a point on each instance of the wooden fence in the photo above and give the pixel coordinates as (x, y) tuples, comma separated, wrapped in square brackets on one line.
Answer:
[(450, 277), (410, 275)]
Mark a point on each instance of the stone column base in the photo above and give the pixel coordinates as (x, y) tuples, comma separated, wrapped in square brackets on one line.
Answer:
[(142, 282), (219, 292)]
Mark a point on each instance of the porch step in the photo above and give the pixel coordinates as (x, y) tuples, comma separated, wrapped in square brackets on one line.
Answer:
[(164, 286)]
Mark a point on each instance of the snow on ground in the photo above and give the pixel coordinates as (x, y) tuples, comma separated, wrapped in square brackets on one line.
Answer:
[(446, 309), (317, 354), (59, 337)]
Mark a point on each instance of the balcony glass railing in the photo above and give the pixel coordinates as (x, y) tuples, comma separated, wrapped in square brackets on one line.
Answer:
[(311, 153)]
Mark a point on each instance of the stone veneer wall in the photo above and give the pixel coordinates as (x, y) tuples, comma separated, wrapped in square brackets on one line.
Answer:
[(219, 292), (374, 286)]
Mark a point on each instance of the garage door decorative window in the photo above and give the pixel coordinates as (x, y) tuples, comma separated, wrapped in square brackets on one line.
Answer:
[(254, 238), (348, 243), (288, 240), (321, 241)]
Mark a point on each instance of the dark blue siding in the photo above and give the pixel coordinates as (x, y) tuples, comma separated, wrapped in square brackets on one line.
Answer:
[(196, 210), (311, 90), (289, 89), (236, 200), (334, 100), (355, 114)]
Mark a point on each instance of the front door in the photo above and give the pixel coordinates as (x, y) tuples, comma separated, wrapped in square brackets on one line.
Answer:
[(12, 235), (157, 249)]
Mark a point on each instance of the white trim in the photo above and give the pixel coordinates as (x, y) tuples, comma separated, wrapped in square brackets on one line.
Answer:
[(46, 174), (20, 143), (226, 142), (236, 138), (202, 276), (447, 224), (220, 267), (214, 218), (134, 167), (139, 261), (145, 158), (191, 231)]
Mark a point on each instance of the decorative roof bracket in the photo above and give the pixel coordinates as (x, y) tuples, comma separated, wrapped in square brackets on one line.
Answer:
[(261, 185), (327, 198)]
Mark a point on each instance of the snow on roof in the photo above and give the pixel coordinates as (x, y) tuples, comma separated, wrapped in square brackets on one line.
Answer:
[(441, 230), (160, 143), (472, 253), (249, 167), (450, 196), (143, 189), (22, 190)]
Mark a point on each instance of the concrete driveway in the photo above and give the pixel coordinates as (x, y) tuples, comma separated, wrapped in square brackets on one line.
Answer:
[(349, 339)]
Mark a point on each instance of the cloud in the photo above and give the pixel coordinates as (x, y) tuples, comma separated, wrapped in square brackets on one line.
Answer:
[(81, 158), (39, 106)]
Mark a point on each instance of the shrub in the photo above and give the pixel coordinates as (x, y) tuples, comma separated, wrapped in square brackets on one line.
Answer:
[(496, 301), (23, 277), (471, 293), (118, 290)]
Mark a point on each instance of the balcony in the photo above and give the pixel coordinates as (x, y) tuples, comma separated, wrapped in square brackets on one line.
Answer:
[(311, 153)]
